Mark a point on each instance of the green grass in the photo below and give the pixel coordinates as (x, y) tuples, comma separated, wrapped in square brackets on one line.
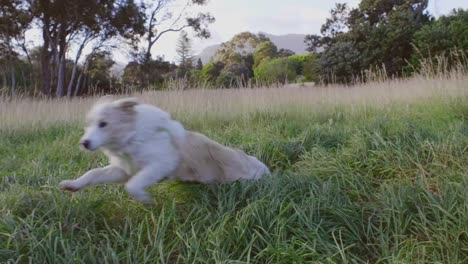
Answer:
[(350, 185)]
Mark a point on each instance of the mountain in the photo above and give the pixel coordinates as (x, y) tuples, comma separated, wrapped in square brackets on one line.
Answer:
[(294, 42)]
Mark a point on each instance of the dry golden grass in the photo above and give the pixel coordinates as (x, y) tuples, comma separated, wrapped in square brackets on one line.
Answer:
[(24, 113)]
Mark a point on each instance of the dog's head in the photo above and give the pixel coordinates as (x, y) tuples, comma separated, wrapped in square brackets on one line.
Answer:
[(109, 122)]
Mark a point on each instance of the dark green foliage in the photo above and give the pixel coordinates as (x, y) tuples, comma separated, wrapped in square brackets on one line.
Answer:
[(377, 34), (152, 73), (199, 65), (211, 70), (446, 34), (235, 74), (340, 63), (313, 43), (99, 74), (226, 79)]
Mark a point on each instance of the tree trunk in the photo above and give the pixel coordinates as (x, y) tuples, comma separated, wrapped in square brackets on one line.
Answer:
[(5, 79), (31, 68), (56, 57), (13, 81), (61, 77), (72, 80), (62, 44), (78, 84), (75, 68), (45, 63), (25, 83)]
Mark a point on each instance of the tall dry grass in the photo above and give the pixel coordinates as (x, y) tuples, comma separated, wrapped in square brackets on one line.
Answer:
[(27, 112)]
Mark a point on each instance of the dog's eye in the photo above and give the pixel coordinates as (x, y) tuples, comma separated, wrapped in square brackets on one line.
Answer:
[(102, 124)]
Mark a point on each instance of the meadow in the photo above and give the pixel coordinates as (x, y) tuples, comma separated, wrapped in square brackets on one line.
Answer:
[(375, 173)]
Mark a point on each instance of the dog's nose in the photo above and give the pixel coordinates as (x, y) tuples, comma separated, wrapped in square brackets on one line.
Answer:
[(86, 144)]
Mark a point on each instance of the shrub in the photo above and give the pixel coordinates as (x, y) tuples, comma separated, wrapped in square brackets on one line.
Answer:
[(277, 70)]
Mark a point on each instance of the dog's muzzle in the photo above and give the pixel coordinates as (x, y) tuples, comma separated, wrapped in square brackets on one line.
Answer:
[(86, 144)]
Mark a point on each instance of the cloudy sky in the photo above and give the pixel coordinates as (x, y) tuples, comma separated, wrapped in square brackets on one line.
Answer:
[(274, 17)]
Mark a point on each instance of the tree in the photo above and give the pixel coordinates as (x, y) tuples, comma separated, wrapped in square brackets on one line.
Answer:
[(337, 25), (265, 51), (443, 35), (313, 43), (211, 70), (14, 21), (279, 70), (157, 70), (310, 68), (184, 51), (199, 66), (282, 53), (383, 31), (239, 47), (65, 21), (163, 19), (234, 75), (340, 63), (98, 74), (378, 33)]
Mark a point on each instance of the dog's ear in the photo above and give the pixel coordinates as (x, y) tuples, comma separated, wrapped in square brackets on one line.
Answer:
[(127, 104)]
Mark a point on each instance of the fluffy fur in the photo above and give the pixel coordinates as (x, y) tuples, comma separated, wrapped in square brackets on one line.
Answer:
[(144, 146)]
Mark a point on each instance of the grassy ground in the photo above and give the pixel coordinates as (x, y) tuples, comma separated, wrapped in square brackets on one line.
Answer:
[(360, 184)]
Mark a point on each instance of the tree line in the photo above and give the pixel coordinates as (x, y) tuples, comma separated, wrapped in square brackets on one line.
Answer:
[(96, 26), (395, 37)]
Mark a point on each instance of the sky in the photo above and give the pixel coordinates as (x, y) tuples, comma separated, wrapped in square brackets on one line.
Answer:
[(274, 17), (269, 16)]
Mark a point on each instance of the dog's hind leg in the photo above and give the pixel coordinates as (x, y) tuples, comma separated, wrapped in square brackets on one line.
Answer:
[(146, 177), (109, 174)]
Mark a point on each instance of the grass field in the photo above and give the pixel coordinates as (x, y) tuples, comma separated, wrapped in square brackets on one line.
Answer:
[(371, 174)]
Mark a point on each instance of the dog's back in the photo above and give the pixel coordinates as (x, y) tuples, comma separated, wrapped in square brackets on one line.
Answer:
[(206, 161)]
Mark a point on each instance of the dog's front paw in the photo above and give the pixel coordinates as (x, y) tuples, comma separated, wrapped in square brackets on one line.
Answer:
[(69, 185)]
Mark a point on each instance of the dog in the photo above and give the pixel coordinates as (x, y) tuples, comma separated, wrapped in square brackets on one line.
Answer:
[(145, 145)]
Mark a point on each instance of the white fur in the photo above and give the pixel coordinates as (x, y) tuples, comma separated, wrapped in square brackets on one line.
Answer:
[(144, 146)]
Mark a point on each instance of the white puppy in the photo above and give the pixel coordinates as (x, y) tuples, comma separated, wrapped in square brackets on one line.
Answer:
[(144, 146)]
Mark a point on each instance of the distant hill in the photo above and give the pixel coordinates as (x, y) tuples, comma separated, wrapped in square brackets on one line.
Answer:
[(294, 42)]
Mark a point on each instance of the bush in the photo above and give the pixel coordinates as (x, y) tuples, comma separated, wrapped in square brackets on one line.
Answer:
[(265, 51), (307, 66), (226, 80), (445, 34), (340, 63), (212, 70), (445, 38), (280, 70)]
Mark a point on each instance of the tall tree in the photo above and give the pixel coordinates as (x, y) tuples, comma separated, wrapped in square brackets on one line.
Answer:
[(199, 64), (379, 31), (313, 43), (266, 50), (239, 47), (63, 21), (184, 51), (14, 20), (164, 17), (384, 30), (445, 34)]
